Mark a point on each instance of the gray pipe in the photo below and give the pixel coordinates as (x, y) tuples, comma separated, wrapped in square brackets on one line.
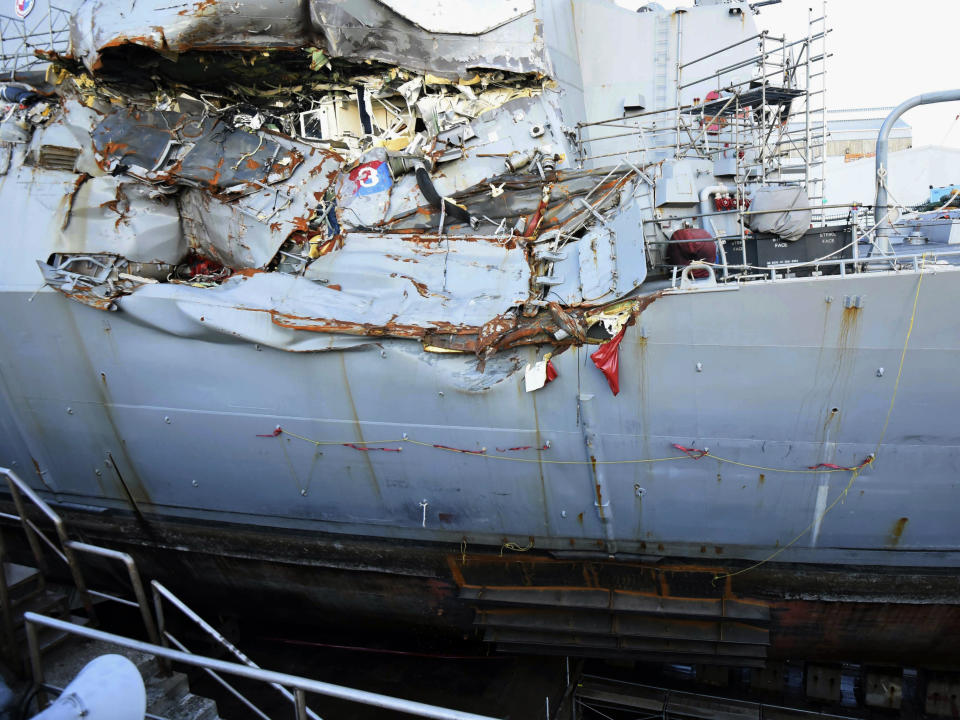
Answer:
[(880, 211)]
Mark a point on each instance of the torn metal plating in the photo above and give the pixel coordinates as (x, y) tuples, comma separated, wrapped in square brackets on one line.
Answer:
[(497, 35), (274, 180), (174, 27)]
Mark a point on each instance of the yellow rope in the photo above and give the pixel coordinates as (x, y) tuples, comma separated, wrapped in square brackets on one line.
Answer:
[(516, 548), (339, 442), (903, 355), (856, 471), (808, 528), (805, 471)]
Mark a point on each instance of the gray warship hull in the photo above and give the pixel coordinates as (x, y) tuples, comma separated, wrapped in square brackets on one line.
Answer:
[(288, 342), (338, 527)]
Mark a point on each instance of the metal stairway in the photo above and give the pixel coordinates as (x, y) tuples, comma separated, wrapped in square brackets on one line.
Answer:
[(168, 693), (606, 697), (64, 655), (28, 591), (25, 590), (26, 599)]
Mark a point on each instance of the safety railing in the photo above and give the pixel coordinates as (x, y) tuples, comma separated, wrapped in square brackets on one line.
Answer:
[(135, 582), (66, 550), (902, 262), (855, 216), (160, 593), (748, 122), (292, 688), (300, 686), (19, 491)]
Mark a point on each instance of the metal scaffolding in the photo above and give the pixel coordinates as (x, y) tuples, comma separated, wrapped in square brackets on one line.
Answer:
[(747, 122), (47, 27)]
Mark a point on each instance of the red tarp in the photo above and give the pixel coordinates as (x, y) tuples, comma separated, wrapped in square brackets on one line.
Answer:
[(607, 358), (551, 371)]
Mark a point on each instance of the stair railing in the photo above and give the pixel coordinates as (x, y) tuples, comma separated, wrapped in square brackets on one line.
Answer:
[(300, 685), (66, 549), (160, 593), (20, 490)]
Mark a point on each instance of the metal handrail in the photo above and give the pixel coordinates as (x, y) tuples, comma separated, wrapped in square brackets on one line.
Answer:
[(223, 683), (913, 262), (772, 211), (160, 593), (18, 490), (67, 552), (755, 60), (135, 582), (762, 33), (301, 685)]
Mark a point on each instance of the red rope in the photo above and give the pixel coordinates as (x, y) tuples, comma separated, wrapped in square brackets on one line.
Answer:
[(468, 452), (692, 453), (371, 449), (831, 466)]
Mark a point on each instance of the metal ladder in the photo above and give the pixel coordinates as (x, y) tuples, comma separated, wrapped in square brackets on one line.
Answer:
[(817, 131), (661, 49)]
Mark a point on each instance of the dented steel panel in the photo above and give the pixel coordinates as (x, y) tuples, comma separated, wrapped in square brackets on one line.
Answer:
[(179, 26), (514, 43), (115, 216), (463, 19)]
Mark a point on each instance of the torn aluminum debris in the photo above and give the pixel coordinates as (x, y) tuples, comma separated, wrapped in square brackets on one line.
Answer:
[(416, 182)]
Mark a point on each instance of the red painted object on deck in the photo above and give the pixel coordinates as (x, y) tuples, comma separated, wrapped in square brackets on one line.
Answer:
[(689, 244)]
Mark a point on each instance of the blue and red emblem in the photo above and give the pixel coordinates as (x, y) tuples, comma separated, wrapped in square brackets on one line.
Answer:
[(371, 177), (23, 7)]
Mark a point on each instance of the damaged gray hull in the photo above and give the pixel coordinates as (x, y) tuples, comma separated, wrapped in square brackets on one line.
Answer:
[(812, 380), (104, 417), (315, 323)]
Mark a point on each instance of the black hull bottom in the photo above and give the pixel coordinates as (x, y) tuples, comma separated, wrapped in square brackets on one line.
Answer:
[(658, 609)]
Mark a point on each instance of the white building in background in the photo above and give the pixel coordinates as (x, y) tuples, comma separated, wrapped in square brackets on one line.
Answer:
[(911, 174), (851, 164)]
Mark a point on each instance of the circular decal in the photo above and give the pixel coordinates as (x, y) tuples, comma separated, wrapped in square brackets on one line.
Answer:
[(372, 177), (23, 7)]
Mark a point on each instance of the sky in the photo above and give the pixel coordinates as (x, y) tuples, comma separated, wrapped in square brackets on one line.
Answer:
[(884, 51)]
